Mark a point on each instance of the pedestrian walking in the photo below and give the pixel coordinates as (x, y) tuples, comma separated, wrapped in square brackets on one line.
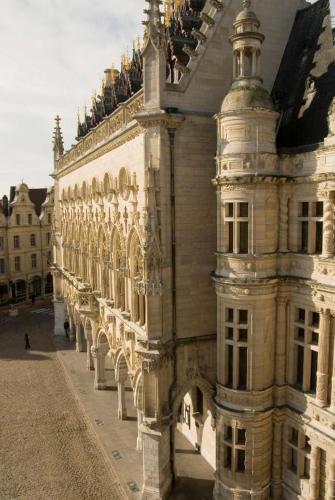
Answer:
[(26, 338), (66, 328)]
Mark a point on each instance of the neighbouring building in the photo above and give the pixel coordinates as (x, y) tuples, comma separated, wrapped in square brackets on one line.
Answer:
[(216, 309), (25, 244)]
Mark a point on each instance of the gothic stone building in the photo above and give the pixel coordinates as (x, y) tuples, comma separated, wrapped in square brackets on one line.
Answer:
[(25, 244), (247, 374)]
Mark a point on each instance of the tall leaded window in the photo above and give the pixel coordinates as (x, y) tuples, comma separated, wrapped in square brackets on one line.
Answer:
[(18, 219), (234, 448), (310, 218), (298, 453), (236, 227), (236, 347), (33, 240), (16, 241), (2, 266), (30, 219), (306, 345), (2, 243), (17, 263), (33, 261)]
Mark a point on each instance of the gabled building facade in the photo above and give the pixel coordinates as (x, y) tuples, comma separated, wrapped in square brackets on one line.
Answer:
[(246, 374), (25, 244)]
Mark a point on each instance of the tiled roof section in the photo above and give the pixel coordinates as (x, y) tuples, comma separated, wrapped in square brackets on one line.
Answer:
[(180, 33), (38, 196), (305, 83)]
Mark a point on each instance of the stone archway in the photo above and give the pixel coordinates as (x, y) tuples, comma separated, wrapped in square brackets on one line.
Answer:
[(121, 375), (194, 438)]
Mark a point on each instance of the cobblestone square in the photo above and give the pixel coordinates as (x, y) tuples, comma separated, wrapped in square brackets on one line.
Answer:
[(46, 448)]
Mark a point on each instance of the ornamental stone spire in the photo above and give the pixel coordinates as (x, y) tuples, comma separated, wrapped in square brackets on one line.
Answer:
[(247, 43), (58, 140), (153, 22)]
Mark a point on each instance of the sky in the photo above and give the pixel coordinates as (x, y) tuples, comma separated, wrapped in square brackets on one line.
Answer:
[(52, 55)]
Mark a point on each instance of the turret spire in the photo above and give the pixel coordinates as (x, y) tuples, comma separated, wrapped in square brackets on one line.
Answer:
[(247, 43), (153, 22), (58, 140)]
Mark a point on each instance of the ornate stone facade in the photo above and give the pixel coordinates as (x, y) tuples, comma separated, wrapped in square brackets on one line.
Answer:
[(247, 376), (25, 244)]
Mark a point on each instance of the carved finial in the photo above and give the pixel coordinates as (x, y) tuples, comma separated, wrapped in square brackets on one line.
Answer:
[(58, 140), (153, 22), (246, 4)]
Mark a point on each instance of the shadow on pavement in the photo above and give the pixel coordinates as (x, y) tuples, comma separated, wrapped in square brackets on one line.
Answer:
[(187, 488)]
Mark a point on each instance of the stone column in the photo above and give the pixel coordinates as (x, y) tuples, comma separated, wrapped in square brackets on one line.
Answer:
[(283, 222), (157, 372), (59, 313), (314, 481), (72, 333), (277, 487), (139, 445), (99, 353), (333, 373), (328, 228), (330, 491), (280, 364), (121, 400), (323, 359), (157, 476), (79, 338), (90, 361)]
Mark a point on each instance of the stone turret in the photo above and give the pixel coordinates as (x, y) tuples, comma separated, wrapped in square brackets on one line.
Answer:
[(247, 118), (58, 140), (247, 193)]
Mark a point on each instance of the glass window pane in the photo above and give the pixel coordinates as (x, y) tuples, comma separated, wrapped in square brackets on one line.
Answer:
[(304, 237), (300, 366), (240, 466), (229, 332), (241, 436), (314, 367), (304, 209), (244, 237), (319, 209), (228, 457), (243, 317), (229, 315), (318, 237), (301, 315), (243, 367), (243, 210), (229, 209), (230, 366), (230, 237), (242, 335)]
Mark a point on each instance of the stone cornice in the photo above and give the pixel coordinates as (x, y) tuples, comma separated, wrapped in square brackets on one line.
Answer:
[(108, 135)]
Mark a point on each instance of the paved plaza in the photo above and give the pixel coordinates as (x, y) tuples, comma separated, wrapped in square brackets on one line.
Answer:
[(61, 439), (47, 450)]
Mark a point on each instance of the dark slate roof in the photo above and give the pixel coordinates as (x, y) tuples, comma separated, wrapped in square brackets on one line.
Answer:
[(38, 197), (305, 83)]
